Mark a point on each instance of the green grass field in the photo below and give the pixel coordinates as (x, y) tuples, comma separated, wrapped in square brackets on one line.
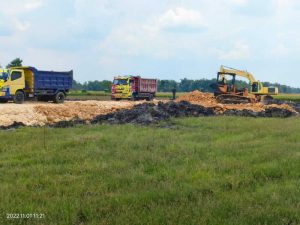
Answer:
[(101, 95), (288, 97), (216, 170)]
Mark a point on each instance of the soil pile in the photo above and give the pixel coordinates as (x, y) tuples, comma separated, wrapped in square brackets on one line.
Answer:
[(79, 112), (208, 100), (85, 110), (39, 114), (25, 114), (148, 113)]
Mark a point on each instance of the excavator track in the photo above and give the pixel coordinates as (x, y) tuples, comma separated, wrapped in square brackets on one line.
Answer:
[(233, 99)]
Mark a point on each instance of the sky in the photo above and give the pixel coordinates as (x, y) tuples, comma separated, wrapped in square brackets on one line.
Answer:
[(163, 39)]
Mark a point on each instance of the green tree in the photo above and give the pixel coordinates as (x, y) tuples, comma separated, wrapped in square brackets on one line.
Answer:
[(97, 85), (15, 62), (166, 85), (186, 85), (77, 85), (106, 85)]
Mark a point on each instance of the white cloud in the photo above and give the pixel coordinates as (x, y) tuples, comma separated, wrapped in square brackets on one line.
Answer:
[(148, 38), (154, 35), (21, 25), (181, 17), (15, 8), (239, 2), (240, 50), (13, 12), (285, 4), (33, 4)]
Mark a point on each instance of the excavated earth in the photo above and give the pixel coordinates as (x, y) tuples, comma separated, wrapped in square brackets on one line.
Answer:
[(39, 114), (208, 100), (141, 112), (148, 113)]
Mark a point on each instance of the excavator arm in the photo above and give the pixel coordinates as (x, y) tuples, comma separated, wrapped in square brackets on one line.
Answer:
[(257, 87), (227, 70)]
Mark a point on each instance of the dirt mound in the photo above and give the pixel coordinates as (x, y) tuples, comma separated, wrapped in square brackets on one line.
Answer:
[(39, 114), (13, 113), (148, 113), (198, 97), (208, 100), (70, 113), (85, 110)]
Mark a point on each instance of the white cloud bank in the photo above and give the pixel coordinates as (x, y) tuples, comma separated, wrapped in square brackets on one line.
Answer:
[(116, 36), (239, 51)]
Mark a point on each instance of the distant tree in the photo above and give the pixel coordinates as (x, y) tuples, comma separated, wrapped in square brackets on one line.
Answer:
[(97, 85), (93, 85), (185, 85), (15, 62), (77, 85), (106, 85), (166, 85)]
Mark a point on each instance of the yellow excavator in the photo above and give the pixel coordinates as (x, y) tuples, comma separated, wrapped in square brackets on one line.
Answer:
[(226, 91)]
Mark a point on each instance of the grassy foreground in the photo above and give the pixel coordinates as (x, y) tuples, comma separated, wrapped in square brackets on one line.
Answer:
[(218, 170)]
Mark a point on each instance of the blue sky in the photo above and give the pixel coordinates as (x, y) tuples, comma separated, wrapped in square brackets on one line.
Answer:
[(165, 39)]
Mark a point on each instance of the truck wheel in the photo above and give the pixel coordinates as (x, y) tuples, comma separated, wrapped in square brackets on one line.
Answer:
[(19, 97), (149, 98), (59, 97), (3, 100), (134, 97)]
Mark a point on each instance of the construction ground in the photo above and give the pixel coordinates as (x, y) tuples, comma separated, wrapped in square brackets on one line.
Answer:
[(39, 114), (198, 162)]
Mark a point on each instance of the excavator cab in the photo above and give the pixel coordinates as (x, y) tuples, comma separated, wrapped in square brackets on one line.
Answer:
[(226, 91), (255, 87), (225, 83)]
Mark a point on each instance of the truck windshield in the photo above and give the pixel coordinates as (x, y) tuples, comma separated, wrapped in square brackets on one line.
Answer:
[(120, 82)]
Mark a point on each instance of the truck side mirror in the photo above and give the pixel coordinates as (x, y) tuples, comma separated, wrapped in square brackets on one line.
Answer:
[(4, 76)]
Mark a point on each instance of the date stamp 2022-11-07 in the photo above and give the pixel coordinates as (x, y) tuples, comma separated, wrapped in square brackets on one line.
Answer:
[(12, 216)]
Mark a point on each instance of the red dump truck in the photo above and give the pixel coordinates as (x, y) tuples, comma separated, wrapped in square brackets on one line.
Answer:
[(133, 88)]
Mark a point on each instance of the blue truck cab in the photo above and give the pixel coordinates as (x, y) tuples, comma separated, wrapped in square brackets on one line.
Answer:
[(21, 83)]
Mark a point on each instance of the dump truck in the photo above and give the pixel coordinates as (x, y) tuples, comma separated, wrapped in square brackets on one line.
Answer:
[(22, 83), (133, 88)]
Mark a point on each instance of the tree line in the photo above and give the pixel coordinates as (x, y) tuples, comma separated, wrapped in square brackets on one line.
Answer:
[(184, 85)]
